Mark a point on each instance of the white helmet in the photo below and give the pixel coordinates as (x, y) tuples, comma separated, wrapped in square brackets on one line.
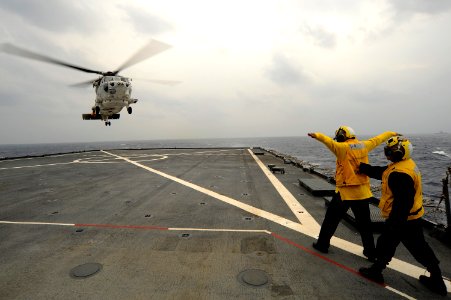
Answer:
[(344, 133)]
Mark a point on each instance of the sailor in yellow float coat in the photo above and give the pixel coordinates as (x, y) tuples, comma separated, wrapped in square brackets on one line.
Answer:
[(401, 205), (408, 167), (352, 188)]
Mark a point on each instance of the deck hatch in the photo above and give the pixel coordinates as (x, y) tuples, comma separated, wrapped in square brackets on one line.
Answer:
[(253, 277), (85, 270)]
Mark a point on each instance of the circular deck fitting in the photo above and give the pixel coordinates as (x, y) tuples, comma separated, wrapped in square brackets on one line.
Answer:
[(253, 277), (85, 270), (248, 218), (185, 235)]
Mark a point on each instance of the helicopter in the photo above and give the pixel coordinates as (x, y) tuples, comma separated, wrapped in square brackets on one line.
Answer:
[(113, 92)]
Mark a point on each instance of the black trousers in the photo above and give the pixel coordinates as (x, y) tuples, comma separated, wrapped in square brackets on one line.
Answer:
[(411, 235), (335, 212)]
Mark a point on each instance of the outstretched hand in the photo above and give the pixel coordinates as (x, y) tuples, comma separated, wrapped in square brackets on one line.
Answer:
[(363, 168)]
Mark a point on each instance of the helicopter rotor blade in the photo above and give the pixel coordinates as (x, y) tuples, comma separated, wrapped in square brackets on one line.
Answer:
[(84, 83), (164, 82), (14, 50), (152, 48)]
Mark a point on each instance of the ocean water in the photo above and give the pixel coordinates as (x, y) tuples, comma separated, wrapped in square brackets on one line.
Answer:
[(432, 153)]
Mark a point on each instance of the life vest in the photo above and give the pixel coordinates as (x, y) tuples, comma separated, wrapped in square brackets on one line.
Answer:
[(408, 167), (346, 169)]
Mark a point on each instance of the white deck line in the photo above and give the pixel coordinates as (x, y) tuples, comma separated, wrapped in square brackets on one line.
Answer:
[(219, 230), (251, 209), (298, 210), (36, 223), (187, 229), (309, 230), (313, 228)]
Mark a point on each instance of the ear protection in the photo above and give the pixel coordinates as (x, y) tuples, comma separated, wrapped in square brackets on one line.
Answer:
[(398, 148)]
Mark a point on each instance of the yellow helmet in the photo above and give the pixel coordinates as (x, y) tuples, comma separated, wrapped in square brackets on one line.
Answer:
[(344, 133), (398, 148)]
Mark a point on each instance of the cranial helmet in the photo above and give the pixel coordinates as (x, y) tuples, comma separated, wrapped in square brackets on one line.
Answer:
[(344, 133), (398, 148)]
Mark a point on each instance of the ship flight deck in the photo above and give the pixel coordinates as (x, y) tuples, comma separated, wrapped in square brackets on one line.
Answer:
[(180, 224)]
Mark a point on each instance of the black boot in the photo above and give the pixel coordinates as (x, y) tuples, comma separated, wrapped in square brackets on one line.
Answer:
[(370, 255), (373, 273), (435, 284), (320, 247)]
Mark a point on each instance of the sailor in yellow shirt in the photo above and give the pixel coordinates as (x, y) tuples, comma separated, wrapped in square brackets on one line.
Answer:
[(352, 188)]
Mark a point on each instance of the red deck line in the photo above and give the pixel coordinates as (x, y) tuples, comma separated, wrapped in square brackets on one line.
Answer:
[(122, 226), (290, 242)]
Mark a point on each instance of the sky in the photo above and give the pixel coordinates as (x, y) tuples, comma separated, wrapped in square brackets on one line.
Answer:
[(246, 68)]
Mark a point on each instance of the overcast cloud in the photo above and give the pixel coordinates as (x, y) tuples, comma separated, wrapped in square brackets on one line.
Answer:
[(247, 68)]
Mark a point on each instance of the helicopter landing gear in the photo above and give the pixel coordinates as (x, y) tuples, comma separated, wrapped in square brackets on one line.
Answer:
[(129, 110), (107, 123)]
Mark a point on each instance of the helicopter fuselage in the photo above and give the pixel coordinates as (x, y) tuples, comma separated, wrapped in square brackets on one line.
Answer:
[(113, 93)]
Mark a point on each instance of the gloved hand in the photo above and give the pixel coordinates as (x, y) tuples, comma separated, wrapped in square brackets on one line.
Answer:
[(364, 168)]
